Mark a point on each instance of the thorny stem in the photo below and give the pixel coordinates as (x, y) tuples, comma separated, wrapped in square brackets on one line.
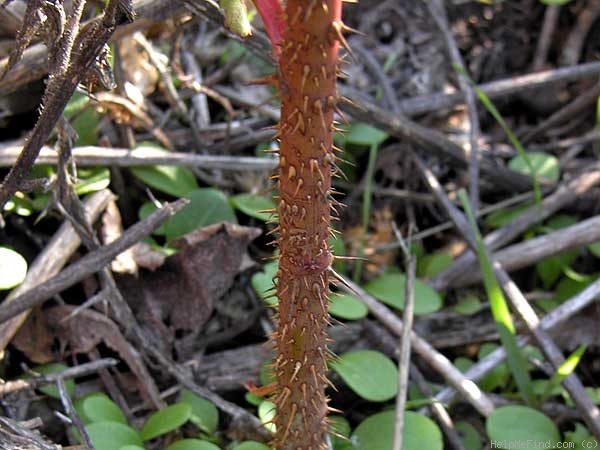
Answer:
[(307, 75)]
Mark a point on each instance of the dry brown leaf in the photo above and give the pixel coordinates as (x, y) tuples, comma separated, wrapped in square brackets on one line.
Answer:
[(183, 291), (34, 339), (88, 328)]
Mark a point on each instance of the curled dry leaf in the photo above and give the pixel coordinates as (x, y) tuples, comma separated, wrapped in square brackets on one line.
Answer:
[(34, 339), (88, 328), (183, 291)]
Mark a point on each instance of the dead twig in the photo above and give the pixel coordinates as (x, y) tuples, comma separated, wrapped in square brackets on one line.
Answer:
[(543, 46), (71, 413), (438, 11), (534, 250), (74, 60), (437, 409), (35, 382), (407, 319), (120, 157)]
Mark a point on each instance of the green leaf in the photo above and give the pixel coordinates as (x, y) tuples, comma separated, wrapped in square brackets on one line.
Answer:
[(377, 432), (77, 103), (86, 126), (266, 414), (468, 435), (253, 204), (111, 435), (98, 407), (145, 210), (496, 378), (470, 304), (463, 364), (132, 447), (339, 432), (544, 164), (173, 180), (204, 413), (346, 306), (432, 264), (503, 216), (500, 311), (51, 390), (262, 282), (370, 374), (390, 289), (578, 436), (166, 420), (192, 444), (362, 134), (250, 445), (521, 424), (563, 371), (550, 269), (13, 268), (207, 206), (92, 180), (253, 399), (595, 249)]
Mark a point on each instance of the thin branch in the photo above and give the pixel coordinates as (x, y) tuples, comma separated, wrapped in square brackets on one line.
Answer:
[(438, 11), (70, 410), (81, 370), (121, 157), (404, 358)]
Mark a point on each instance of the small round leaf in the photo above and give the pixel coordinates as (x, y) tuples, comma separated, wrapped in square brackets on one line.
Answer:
[(204, 413), (389, 288), (346, 306), (362, 134), (544, 164), (112, 435), (370, 374), (250, 445), (469, 435), (166, 420), (192, 444), (51, 389), (98, 407), (377, 432), (521, 424), (262, 282), (266, 414), (13, 268), (207, 206), (253, 205)]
